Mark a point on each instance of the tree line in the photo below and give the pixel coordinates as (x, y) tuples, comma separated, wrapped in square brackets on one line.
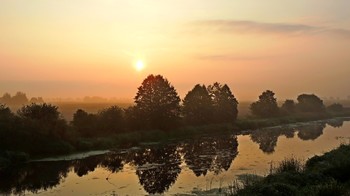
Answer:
[(157, 107)]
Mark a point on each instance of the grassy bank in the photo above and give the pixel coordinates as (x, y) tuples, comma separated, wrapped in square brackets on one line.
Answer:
[(328, 174)]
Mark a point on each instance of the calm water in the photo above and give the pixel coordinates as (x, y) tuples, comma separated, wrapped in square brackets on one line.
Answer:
[(180, 167)]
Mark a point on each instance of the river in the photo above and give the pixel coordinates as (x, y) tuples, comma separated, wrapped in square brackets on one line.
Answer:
[(177, 167)]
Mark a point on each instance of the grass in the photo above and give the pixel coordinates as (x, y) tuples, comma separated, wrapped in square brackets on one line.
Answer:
[(328, 174)]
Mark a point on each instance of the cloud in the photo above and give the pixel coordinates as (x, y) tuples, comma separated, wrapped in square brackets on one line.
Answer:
[(245, 27)]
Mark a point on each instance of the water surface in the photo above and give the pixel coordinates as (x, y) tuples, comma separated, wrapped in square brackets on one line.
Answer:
[(202, 163)]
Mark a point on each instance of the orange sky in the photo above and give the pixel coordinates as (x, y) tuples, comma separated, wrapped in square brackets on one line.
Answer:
[(73, 48)]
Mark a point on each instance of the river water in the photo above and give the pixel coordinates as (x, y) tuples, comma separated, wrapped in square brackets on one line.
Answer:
[(181, 167)]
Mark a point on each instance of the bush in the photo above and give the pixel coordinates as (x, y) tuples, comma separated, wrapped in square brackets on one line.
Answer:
[(290, 165)]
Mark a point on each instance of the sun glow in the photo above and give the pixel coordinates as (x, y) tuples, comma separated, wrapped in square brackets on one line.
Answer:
[(139, 66)]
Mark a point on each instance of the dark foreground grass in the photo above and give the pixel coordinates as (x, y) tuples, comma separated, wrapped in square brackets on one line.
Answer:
[(328, 174)]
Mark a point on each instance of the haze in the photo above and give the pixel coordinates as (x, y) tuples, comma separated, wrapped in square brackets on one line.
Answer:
[(76, 48)]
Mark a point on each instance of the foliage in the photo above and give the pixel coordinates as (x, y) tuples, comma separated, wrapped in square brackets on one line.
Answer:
[(224, 103), (106, 122), (336, 107), (266, 106), (157, 104), (327, 174), (85, 124), (198, 106), (289, 165), (111, 120), (288, 107), (310, 103), (43, 119)]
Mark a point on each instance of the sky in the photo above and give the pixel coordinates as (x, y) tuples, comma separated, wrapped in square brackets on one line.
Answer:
[(77, 48)]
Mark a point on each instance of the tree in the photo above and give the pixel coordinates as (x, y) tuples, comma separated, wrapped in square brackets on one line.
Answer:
[(336, 107), (198, 106), (111, 120), (310, 103), (266, 106), (224, 103), (6, 99), (20, 98), (84, 123), (288, 106), (157, 103), (44, 119)]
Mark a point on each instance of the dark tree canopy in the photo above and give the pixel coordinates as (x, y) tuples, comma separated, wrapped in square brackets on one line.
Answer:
[(266, 106), (111, 120), (310, 103), (224, 103), (335, 107), (198, 106), (288, 106), (44, 119), (157, 103)]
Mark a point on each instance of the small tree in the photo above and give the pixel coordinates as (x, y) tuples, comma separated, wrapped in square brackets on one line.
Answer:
[(266, 106), (84, 123), (310, 103), (157, 103), (288, 106), (335, 107), (111, 120), (224, 103), (198, 106)]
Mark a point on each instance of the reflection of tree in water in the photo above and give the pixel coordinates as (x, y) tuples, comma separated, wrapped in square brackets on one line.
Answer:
[(84, 166), (157, 168), (114, 162), (267, 138), (335, 123), (33, 177), (311, 131), (210, 154)]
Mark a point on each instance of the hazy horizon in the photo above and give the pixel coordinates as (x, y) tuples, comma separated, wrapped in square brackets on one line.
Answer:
[(89, 48)]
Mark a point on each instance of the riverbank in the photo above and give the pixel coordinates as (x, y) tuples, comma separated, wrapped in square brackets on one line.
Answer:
[(328, 174)]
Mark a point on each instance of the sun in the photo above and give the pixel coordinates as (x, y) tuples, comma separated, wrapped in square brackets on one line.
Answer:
[(139, 66)]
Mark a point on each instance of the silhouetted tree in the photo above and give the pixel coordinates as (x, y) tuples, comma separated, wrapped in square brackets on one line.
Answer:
[(198, 106), (266, 106), (85, 123), (157, 103), (288, 106), (43, 119), (336, 107), (310, 103), (7, 123), (20, 98), (36, 100), (111, 120), (6, 99), (224, 103)]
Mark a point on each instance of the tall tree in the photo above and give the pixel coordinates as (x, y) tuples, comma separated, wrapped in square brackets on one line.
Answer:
[(198, 106), (266, 106), (224, 103), (157, 103)]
